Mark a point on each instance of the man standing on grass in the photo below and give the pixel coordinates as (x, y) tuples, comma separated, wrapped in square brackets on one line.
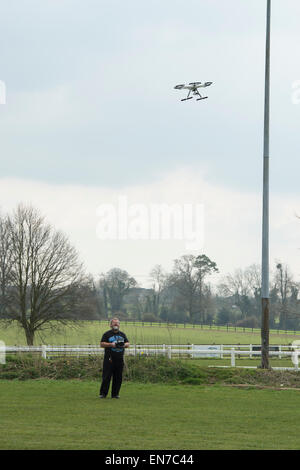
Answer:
[(114, 342)]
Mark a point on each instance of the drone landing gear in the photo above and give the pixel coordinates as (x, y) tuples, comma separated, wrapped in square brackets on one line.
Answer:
[(202, 98), (190, 98)]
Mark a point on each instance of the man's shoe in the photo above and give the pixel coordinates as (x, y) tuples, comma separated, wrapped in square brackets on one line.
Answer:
[(117, 396), (102, 396)]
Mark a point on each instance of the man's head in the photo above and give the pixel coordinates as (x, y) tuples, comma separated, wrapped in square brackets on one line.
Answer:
[(115, 324)]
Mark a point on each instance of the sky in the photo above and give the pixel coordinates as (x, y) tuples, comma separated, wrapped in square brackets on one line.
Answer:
[(92, 118)]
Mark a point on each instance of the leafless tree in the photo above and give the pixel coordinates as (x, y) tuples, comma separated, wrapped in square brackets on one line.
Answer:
[(242, 285), (288, 291), (5, 266), (158, 278), (234, 284), (45, 274), (188, 277), (139, 305), (116, 284), (184, 278)]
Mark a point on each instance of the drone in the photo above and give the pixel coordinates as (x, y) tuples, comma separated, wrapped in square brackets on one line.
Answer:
[(193, 88)]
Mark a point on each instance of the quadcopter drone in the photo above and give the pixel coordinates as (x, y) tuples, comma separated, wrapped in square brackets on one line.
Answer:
[(193, 87)]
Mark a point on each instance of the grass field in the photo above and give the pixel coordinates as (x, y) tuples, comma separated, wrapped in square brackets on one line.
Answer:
[(90, 333), (46, 414)]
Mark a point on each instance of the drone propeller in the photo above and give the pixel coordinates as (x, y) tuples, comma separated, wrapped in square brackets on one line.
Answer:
[(195, 83), (179, 87)]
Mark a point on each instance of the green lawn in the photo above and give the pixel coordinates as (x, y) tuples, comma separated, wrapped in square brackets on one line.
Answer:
[(90, 333), (45, 414)]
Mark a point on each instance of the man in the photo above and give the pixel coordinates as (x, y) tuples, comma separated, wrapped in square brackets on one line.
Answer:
[(114, 342)]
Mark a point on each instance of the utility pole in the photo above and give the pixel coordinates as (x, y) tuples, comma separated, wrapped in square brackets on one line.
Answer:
[(265, 217)]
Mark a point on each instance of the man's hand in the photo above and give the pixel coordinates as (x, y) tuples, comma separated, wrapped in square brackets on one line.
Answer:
[(107, 345)]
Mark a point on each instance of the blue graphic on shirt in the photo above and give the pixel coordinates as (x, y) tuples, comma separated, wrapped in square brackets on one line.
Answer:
[(114, 339)]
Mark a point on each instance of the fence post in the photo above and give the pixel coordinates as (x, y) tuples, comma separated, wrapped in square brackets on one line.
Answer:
[(251, 351), (295, 358), (221, 355), (164, 348), (279, 355), (232, 357), (44, 351), (170, 352)]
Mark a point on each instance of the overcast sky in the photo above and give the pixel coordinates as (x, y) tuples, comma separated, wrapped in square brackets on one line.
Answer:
[(91, 115)]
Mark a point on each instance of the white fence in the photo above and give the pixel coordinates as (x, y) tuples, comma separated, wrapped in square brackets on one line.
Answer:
[(190, 350)]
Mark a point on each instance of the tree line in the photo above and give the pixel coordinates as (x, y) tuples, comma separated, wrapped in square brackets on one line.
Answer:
[(44, 285)]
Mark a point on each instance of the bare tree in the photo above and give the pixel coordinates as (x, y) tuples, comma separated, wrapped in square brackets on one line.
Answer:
[(184, 278), (188, 277), (158, 278), (241, 286), (140, 304), (45, 275), (5, 266), (116, 284), (235, 284), (90, 303), (287, 290)]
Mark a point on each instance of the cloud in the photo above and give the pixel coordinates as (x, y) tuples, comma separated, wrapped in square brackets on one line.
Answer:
[(90, 99), (90, 95), (232, 222)]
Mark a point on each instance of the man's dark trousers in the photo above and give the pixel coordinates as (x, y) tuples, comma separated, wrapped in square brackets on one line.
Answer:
[(112, 368)]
